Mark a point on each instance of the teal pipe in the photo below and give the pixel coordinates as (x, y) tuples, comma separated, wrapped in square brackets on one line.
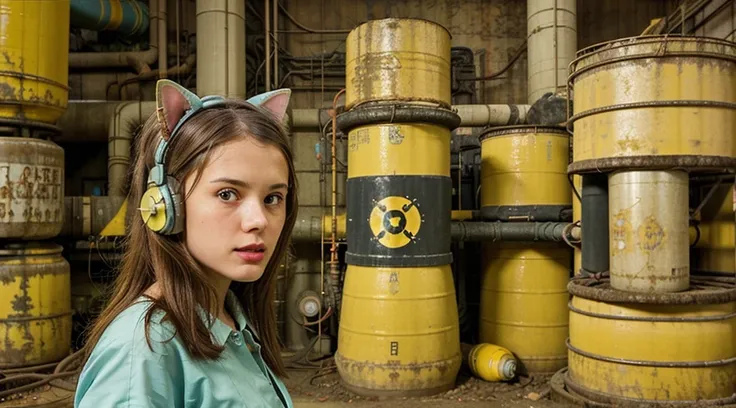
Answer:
[(127, 17)]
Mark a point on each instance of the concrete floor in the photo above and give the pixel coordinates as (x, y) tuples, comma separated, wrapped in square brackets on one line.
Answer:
[(321, 388)]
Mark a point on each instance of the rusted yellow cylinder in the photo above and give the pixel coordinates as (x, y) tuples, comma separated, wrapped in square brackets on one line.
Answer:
[(654, 96), (31, 188), (675, 347), (524, 171), (714, 251), (491, 362), (34, 42), (649, 237), (35, 311), (398, 59), (399, 332), (523, 302)]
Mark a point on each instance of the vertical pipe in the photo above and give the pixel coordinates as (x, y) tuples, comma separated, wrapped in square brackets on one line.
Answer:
[(267, 21), (552, 43), (162, 39), (276, 44), (594, 224), (221, 48)]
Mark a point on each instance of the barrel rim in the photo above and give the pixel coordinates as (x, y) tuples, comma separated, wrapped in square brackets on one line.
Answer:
[(604, 399), (43, 248), (624, 42), (515, 129), (387, 19), (700, 292), (693, 163)]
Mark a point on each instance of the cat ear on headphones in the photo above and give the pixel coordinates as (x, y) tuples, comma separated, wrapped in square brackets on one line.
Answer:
[(173, 101), (275, 101)]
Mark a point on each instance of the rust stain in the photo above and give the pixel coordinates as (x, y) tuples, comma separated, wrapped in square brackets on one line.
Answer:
[(651, 234), (8, 60), (7, 92), (621, 232)]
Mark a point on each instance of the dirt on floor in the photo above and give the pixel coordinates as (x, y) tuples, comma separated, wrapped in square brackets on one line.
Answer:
[(321, 387)]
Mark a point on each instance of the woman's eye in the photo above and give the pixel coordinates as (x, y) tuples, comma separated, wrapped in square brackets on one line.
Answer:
[(226, 195), (274, 199)]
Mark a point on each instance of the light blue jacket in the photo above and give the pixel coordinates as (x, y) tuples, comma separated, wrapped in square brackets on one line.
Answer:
[(122, 371)]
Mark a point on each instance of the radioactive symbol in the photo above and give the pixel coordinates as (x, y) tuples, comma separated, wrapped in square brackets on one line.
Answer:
[(395, 221)]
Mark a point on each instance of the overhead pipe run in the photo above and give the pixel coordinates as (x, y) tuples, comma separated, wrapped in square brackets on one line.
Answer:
[(140, 61), (126, 17)]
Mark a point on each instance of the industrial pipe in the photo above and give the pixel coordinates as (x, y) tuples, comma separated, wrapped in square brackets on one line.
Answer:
[(126, 119), (491, 115), (140, 61), (594, 204), (552, 43), (126, 17), (513, 231), (221, 48)]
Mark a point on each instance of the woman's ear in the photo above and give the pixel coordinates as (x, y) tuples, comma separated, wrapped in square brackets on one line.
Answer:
[(275, 101)]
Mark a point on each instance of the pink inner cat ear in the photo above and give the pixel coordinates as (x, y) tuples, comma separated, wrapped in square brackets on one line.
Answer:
[(275, 101), (174, 105)]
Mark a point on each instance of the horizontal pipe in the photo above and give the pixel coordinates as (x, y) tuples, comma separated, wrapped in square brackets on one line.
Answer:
[(126, 17), (470, 116), (509, 231)]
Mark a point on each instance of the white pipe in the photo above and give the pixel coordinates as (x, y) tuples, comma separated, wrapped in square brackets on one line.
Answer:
[(551, 45), (221, 48), (127, 117)]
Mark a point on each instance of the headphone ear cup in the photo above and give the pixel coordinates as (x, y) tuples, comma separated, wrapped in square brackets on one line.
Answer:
[(153, 209)]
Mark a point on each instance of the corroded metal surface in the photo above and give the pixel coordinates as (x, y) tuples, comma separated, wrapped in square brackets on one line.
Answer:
[(399, 332), (648, 231), (398, 59), (655, 162), (654, 96), (35, 304), (701, 292), (34, 54), (653, 352), (398, 114), (523, 302), (31, 188), (523, 173)]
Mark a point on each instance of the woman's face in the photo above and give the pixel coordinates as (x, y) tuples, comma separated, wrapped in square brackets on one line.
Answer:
[(235, 213)]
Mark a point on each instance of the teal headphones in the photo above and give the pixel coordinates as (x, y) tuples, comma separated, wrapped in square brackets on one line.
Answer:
[(161, 205)]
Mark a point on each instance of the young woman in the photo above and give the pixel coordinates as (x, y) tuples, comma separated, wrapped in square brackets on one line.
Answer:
[(190, 322)]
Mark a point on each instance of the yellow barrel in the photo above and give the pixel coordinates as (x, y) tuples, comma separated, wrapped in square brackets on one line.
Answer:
[(31, 188), (524, 173), (34, 41), (398, 59), (399, 332), (491, 362), (649, 237), (654, 96), (523, 302), (714, 251), (577, 215), (35, 311), (675, 347)]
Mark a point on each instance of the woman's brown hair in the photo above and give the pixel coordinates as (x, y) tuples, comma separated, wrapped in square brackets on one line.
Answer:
[(150, 257)]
